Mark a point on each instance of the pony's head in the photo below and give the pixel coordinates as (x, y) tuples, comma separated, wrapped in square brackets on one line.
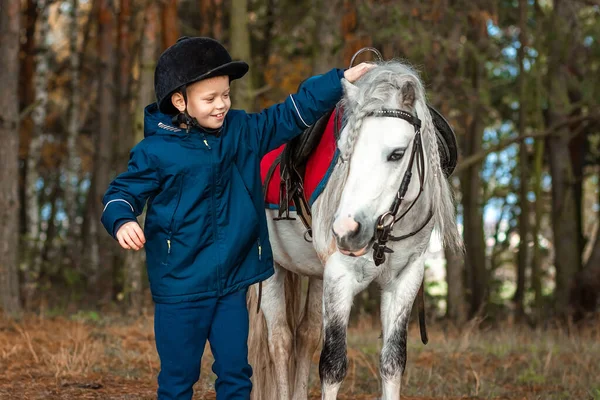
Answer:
[(376, 149)]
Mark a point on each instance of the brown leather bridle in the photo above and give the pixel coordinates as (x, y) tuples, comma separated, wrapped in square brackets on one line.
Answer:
[(385, 223)]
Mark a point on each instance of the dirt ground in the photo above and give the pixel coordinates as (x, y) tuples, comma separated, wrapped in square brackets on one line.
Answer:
[(112, 357)]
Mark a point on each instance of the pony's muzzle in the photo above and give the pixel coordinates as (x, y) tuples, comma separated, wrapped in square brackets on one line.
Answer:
[(348, 234)]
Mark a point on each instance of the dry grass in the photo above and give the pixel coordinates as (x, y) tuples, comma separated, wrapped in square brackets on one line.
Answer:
[(115, 358)]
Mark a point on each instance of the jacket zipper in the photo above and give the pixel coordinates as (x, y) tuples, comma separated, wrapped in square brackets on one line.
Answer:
[(205, 141), (259, 250), (171, 225), (214, 212)]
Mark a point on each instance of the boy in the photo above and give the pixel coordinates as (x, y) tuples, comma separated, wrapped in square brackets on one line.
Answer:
[(206, 229)]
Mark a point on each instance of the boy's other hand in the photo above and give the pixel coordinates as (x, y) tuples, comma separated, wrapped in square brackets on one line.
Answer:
[(131, 236), (354, 73)]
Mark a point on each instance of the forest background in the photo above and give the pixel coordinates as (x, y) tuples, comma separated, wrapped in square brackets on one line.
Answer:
[(517, 79)]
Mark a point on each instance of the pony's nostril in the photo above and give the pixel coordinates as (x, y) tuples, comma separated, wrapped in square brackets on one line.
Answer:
[(356, 230), (346, 228)]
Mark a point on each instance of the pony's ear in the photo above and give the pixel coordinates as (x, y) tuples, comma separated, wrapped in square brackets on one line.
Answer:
[(351, 91), (408, 95)]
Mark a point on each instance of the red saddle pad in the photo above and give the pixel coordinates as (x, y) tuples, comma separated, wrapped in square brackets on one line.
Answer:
[(318, 168)]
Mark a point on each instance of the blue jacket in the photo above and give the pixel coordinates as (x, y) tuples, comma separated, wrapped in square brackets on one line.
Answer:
[(206, 229)]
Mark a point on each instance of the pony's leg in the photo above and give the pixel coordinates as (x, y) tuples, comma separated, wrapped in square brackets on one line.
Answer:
[(308, 336), (280, 336), (340, 285), (396, 303)]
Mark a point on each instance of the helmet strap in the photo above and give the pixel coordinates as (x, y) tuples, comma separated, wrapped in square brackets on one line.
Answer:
[(184, 117)]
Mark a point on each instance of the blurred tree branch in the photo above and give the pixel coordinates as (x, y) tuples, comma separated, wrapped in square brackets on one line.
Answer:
[(262, 90), (27, 110), (475, 158)]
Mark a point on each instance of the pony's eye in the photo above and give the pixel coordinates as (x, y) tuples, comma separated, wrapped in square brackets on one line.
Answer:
[(396, 155)]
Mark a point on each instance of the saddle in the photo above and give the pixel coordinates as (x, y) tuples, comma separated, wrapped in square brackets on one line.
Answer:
[(292, 163), (446, 141)]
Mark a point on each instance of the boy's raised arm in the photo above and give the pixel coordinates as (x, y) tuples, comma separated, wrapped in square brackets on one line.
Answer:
[(127, 194), (281, 122)]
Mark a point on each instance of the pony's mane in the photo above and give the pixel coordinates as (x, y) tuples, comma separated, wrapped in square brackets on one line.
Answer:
[(377, 89)]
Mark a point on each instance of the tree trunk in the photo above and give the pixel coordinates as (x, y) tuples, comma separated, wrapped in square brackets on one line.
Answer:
[(51, 230), (575, 60), (218, 21), (267, 42), (211, 18), (585, 293), (523, 258), (124, 125), (351, 38), (537, 121), (456, 305), (473, 226), (27, 99), (10, 18), (102, 246), (206, 17), (34, 243), (578, 141), (73, 161), (327, 40), (28, 48), (240, 50), (148, 55), (564, 210), (536, 262), (134, 261), (170, 23), (471, 184)]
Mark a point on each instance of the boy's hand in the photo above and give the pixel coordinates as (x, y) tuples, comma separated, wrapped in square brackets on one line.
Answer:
[(354, 73), (131, 236)]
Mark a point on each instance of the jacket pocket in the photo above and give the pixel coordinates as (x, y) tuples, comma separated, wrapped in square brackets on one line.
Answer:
[(172, 220), (248, 199), (243, 224), (167, 250)]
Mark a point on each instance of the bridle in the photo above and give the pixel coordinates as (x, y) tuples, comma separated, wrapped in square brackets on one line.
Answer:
[(385, 223)]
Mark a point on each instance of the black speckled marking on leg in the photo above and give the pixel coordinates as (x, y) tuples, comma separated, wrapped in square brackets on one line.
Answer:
[(333, 363), (393, 354)]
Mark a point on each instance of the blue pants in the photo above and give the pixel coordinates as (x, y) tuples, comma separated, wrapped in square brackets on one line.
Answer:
[(181, 332)]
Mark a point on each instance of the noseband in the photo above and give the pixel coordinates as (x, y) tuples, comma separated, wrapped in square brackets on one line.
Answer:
[(385, 223)]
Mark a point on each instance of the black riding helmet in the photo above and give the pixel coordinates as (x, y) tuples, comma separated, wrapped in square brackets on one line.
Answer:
[(188, 61)]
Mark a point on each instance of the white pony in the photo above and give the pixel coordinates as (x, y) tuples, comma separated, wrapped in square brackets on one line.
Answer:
[(370, 210)]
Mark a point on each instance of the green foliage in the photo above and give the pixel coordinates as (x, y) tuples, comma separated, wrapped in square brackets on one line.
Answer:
[(72, 277), (86, 316), (531, 377)]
